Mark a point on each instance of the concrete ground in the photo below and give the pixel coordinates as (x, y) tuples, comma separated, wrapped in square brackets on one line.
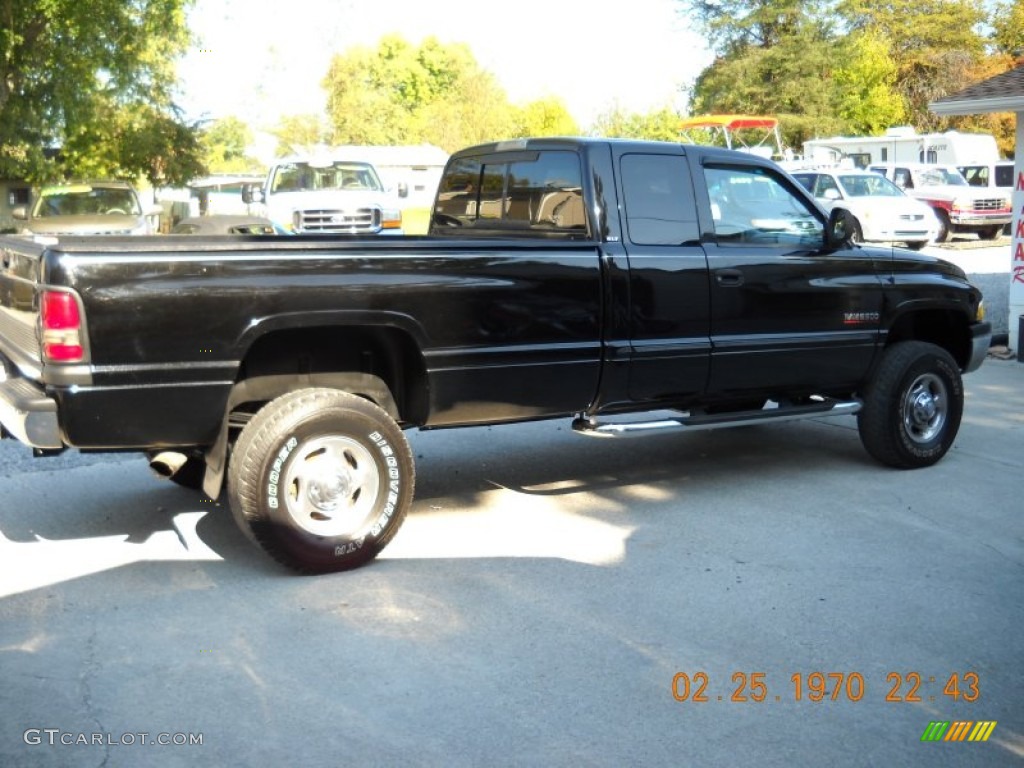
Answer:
[(987, 264), (545, 605)]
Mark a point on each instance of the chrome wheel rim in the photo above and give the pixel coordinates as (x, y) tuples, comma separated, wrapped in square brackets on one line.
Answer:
[(331, 486), (925, 408)]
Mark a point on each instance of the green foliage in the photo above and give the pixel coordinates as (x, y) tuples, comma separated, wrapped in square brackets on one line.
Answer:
[(66, 66), (301, 133), (1008, 27), (224, 146), (129, 141), (545, 117), (474, 110), (790, 79), (848, 66), (866, 101), (733, 26), (934, 44), (434, 93), (659, 125)]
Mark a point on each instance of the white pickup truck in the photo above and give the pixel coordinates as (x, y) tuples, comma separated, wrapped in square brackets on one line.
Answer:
[(958, 206), (326, 194)]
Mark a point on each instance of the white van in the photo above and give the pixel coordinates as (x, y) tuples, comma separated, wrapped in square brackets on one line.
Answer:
[(989, 174)]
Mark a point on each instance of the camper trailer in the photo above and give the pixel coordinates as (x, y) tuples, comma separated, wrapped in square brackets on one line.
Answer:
[(903, 145)]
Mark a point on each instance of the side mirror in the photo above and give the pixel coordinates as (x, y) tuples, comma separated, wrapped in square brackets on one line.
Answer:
[(252, 193), (20, 213), (840, 228), (832, 194), (403, 189)]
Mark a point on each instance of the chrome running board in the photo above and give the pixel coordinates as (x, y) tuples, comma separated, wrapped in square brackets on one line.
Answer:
[(697, 420)]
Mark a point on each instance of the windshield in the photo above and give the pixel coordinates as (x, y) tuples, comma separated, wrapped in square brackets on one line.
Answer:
[(935, 177), (85, 200), (869, 185), (292, 177)]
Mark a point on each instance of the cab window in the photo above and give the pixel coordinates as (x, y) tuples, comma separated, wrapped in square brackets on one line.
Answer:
[(540, 192), (753, 205), (659, 204)]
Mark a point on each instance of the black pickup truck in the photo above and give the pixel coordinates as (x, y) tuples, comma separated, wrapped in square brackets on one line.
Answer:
[(582, 278)]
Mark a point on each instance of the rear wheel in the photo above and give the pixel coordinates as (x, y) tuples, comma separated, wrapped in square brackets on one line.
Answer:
[(912, 407), (917, 245), (321, 480)]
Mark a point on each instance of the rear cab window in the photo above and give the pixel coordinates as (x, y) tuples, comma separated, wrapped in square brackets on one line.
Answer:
[(538, 192), (1004, 175)]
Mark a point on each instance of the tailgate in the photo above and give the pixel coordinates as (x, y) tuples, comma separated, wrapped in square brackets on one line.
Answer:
[(19, 274), (26, 413)]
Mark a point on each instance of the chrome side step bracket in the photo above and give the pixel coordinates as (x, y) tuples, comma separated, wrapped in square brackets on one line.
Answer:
[(697, 420)]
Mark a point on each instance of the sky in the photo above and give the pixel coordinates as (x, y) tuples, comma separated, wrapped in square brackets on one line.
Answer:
[(261, 59)]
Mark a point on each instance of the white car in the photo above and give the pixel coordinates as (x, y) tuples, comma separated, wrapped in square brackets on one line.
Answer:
[(882, 211)]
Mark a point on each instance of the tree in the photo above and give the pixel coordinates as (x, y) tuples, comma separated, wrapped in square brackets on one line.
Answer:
[(225, 143), (129, 141), (935, 44), (659, 125), (734, 26), (775, 58), (401, 94), (845, 66), (474, 110), (1008, 27), (545, 117), (863, 83), (301, 133), (87, 86)]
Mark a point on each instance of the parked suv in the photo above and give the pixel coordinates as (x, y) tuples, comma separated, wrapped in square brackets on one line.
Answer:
[(88, 208), (958, 206), (882, 212)]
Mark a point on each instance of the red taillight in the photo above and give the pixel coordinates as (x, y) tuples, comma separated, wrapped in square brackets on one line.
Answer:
[(62, 324)]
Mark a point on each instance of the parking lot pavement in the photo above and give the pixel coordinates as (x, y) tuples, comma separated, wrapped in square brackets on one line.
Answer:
[(987, 265), (764, 595)]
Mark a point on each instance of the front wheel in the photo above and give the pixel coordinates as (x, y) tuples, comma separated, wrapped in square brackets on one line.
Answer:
[(945, 227), (912, 407), (856, 233), (321, 479), (991, 233)]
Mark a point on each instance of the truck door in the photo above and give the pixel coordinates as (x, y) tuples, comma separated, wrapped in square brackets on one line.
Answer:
[(668, 278), (786, 313)]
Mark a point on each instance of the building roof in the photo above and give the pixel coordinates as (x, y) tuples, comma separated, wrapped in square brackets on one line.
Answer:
[(1002, 93)]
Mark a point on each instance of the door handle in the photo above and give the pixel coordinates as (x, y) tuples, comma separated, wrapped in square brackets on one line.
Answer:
[(729, 278)]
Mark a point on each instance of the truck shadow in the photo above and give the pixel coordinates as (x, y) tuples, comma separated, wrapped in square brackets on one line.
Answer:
[(548, 460), (484, 488)]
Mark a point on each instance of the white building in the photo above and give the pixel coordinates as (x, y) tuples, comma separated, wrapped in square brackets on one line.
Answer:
[(1002, 93)]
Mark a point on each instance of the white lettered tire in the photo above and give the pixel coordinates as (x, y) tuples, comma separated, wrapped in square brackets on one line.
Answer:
[(913, 405), (321, 479)]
